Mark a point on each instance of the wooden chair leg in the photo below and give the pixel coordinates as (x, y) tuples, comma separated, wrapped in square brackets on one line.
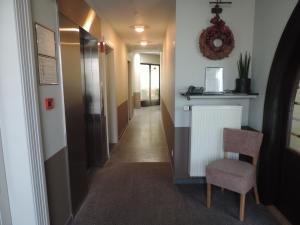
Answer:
[(256, 195), (242, 207), (208, 201)]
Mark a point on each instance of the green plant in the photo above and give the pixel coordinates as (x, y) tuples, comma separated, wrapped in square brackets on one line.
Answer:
[(243, 65)]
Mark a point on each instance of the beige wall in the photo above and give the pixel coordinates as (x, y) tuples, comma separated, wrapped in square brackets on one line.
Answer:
[(150, 58), (120, 61), (168, 68)]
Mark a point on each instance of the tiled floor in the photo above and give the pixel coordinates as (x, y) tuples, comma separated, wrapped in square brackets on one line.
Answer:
[(144, 140)]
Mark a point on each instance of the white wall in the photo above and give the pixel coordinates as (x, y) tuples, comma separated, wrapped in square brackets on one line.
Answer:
[(192, 16), (13, 123), (44, 12), (271, 17), (136, 60), (118, 76), (120, 60), (168, 68), (150, 58)]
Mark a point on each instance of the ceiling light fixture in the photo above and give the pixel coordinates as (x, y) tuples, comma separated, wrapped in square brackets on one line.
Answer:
[(139, 28), (143, 43), (69, 29)]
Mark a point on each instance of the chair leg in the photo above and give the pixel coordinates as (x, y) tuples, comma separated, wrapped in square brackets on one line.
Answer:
[(208, 201), (242, 207), (256, 195)]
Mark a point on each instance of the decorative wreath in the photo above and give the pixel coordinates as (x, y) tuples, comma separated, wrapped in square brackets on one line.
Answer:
[(217, 41)]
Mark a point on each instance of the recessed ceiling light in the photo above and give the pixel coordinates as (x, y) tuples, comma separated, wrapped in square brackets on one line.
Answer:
[(143, 43), (69, 29), (139, 28)]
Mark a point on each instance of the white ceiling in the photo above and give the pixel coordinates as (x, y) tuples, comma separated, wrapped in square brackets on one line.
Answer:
[(122, 14)]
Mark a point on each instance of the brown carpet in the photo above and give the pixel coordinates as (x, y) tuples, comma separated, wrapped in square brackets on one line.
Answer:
[(143, 194)]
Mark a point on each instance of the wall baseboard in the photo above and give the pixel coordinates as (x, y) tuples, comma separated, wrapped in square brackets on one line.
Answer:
[(122, 112), (56, 170), (200, 180)]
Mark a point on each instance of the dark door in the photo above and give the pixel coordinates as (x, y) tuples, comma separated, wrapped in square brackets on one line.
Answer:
[(74, 110), (150, 84), (279, 162), (94, 102)]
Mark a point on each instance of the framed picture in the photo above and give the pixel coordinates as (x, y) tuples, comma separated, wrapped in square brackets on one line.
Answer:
[(47, 63), (214, 79), (47, 70)]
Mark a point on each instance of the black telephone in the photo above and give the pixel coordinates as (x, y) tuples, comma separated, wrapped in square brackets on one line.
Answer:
[(194, 91)]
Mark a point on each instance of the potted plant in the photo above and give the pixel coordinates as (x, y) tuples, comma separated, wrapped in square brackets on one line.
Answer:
[(243, 82)]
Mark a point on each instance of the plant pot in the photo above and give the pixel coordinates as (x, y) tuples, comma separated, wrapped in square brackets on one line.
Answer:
[(242, 85)]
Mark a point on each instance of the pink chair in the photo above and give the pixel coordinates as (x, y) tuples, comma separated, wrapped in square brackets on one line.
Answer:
[(235, 175)]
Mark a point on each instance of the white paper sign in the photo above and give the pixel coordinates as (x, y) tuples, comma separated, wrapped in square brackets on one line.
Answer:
[(47, 70), (45, 41)]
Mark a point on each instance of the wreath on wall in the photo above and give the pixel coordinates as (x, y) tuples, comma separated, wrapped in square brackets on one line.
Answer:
[(217, 41)]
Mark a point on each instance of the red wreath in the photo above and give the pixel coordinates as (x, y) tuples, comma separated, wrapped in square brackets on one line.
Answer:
[(218, 31)]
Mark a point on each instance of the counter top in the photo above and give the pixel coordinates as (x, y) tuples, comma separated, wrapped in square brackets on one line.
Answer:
[(222, 96)]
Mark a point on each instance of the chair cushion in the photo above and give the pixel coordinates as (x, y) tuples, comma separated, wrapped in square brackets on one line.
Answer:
[(233, 175)]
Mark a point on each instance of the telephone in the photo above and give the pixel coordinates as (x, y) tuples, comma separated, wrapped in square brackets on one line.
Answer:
[(194, 91)]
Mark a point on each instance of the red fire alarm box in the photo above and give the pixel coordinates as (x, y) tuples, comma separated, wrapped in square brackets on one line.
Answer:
[(49, 103)]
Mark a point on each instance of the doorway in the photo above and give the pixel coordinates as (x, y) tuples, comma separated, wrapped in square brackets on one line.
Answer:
[(150, 84), (279, 164), (130, 92), (93, 101), (111, 98), (84, 107)]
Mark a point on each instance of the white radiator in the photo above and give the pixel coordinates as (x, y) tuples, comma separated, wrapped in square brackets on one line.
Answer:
[(207, 123)]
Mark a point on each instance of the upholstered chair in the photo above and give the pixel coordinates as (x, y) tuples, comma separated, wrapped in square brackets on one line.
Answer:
[(236, 175)]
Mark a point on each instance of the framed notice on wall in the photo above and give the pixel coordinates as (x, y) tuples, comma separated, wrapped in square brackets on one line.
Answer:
[(47, 66)]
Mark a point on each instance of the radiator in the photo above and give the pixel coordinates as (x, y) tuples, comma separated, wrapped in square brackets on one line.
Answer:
[(207, 123)]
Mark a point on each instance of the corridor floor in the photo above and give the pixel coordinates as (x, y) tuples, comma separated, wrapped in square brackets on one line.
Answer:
[(136, 187), (144, 140)]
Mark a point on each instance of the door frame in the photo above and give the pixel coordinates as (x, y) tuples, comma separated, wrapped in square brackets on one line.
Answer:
[(110, 98), (130, 90), (5, 216), (283, 79), (152, 64), (21, 135)]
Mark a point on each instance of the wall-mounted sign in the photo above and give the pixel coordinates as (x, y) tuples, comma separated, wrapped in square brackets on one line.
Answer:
[(45, 41), (47, 70), (46, 55)]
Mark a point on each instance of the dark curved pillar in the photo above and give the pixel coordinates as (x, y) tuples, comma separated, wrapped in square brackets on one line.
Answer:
[(281, 90)]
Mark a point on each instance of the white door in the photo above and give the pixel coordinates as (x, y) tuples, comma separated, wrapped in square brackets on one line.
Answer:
[(5, 217)]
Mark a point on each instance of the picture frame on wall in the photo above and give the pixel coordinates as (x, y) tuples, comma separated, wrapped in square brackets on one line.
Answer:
[(214, 79), (47, 63)]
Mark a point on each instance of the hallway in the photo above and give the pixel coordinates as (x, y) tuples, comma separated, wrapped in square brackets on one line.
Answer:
[(136, 187), (144, 140)]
